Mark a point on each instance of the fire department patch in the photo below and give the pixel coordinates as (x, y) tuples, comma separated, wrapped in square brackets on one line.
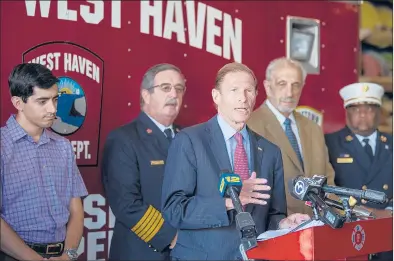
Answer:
[(358, 237), (80, 73), (311, 114)]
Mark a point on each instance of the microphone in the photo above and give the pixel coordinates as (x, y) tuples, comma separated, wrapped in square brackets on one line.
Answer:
[(310, 190), (334, 203), (359, 211), (368, 194), (230, 185), (319, 184)]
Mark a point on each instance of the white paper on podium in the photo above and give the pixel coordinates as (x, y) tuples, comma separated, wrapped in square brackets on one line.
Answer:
[(280, 232)]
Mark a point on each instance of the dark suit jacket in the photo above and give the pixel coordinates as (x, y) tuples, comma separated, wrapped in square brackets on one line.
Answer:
[(354, 169), (132, 174), (190, 197)]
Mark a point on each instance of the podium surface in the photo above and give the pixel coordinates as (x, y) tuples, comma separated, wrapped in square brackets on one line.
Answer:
[(355, 240)]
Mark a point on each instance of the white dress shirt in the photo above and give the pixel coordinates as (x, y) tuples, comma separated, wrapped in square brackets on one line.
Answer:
[(281, 118)]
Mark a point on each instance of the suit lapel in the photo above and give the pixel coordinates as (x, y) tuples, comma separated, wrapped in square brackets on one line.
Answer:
[(257, 155), (152, 133), (275, 129), (381, 156), (352, 144), (303, 130), (218, 145)]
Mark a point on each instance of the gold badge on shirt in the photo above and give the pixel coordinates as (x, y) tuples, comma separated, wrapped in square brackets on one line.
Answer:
[(349, 138), (156, 162)]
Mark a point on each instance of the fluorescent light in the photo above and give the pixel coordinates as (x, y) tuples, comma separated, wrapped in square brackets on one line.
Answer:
[(301, 45)]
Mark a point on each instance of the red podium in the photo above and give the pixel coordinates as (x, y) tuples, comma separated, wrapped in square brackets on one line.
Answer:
[(354, 241)]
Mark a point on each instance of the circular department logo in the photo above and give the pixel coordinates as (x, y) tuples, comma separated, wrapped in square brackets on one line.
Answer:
[(358, 237), (71, 107), (299, 187)]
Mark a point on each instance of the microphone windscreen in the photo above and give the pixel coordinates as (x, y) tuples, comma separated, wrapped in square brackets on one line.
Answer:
[(291, 183)]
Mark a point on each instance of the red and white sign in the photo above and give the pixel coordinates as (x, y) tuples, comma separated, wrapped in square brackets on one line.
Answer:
[(80, 72), (358, 237)]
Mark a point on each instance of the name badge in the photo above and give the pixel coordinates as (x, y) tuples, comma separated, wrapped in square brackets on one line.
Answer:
[(156, 162), (344, 160)]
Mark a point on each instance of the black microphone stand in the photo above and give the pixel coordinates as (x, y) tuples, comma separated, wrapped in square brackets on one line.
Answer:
[(244, 221), (330, 218), (346, 208)]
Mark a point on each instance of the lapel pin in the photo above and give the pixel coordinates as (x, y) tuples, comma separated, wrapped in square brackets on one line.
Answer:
[(176, 129), (149, 131), (386, 147), (383, 138), (349, 138)]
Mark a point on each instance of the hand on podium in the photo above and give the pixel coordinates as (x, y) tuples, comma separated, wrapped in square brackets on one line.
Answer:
[(293, 220)]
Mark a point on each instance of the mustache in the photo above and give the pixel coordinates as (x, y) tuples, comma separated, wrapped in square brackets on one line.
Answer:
[(172, 101), (50, 116)]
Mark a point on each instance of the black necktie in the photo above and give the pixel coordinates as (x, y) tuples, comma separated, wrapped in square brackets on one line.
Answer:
[(168, 133), (368, 149)]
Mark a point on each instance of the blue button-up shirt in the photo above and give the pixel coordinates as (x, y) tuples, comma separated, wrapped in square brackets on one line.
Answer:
[(38, 180), (161, 126), (371, 142), (231, 143)]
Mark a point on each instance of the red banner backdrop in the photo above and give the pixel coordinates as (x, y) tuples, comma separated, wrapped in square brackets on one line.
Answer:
[(100, 50)]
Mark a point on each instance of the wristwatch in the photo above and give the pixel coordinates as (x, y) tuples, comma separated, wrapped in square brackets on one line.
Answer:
[(72, 254)]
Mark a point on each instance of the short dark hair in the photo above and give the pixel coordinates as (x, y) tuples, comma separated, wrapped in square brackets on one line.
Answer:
[(24, 77)]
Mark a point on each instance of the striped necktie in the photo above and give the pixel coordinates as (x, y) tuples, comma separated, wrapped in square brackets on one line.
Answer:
[(293, 140)]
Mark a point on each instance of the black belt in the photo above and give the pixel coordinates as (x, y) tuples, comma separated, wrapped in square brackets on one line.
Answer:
[(47, 249)]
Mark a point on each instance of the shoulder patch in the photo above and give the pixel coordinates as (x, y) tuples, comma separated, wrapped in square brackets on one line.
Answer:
[(311, 113)]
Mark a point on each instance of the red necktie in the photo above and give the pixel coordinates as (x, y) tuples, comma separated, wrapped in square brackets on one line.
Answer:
[(240, 158)]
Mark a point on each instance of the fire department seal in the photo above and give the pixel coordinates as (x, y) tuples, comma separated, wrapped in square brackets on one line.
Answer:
[(81, 73), (358, 237)]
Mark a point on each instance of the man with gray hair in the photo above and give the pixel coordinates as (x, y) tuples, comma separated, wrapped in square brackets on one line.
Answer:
[(133, 165), (301, 140)]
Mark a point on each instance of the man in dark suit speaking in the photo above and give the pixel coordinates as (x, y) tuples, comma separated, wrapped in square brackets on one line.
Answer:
[(191, 201)]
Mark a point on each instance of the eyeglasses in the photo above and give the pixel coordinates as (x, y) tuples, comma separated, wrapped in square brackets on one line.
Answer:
[(166, 87), (366, 108)]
